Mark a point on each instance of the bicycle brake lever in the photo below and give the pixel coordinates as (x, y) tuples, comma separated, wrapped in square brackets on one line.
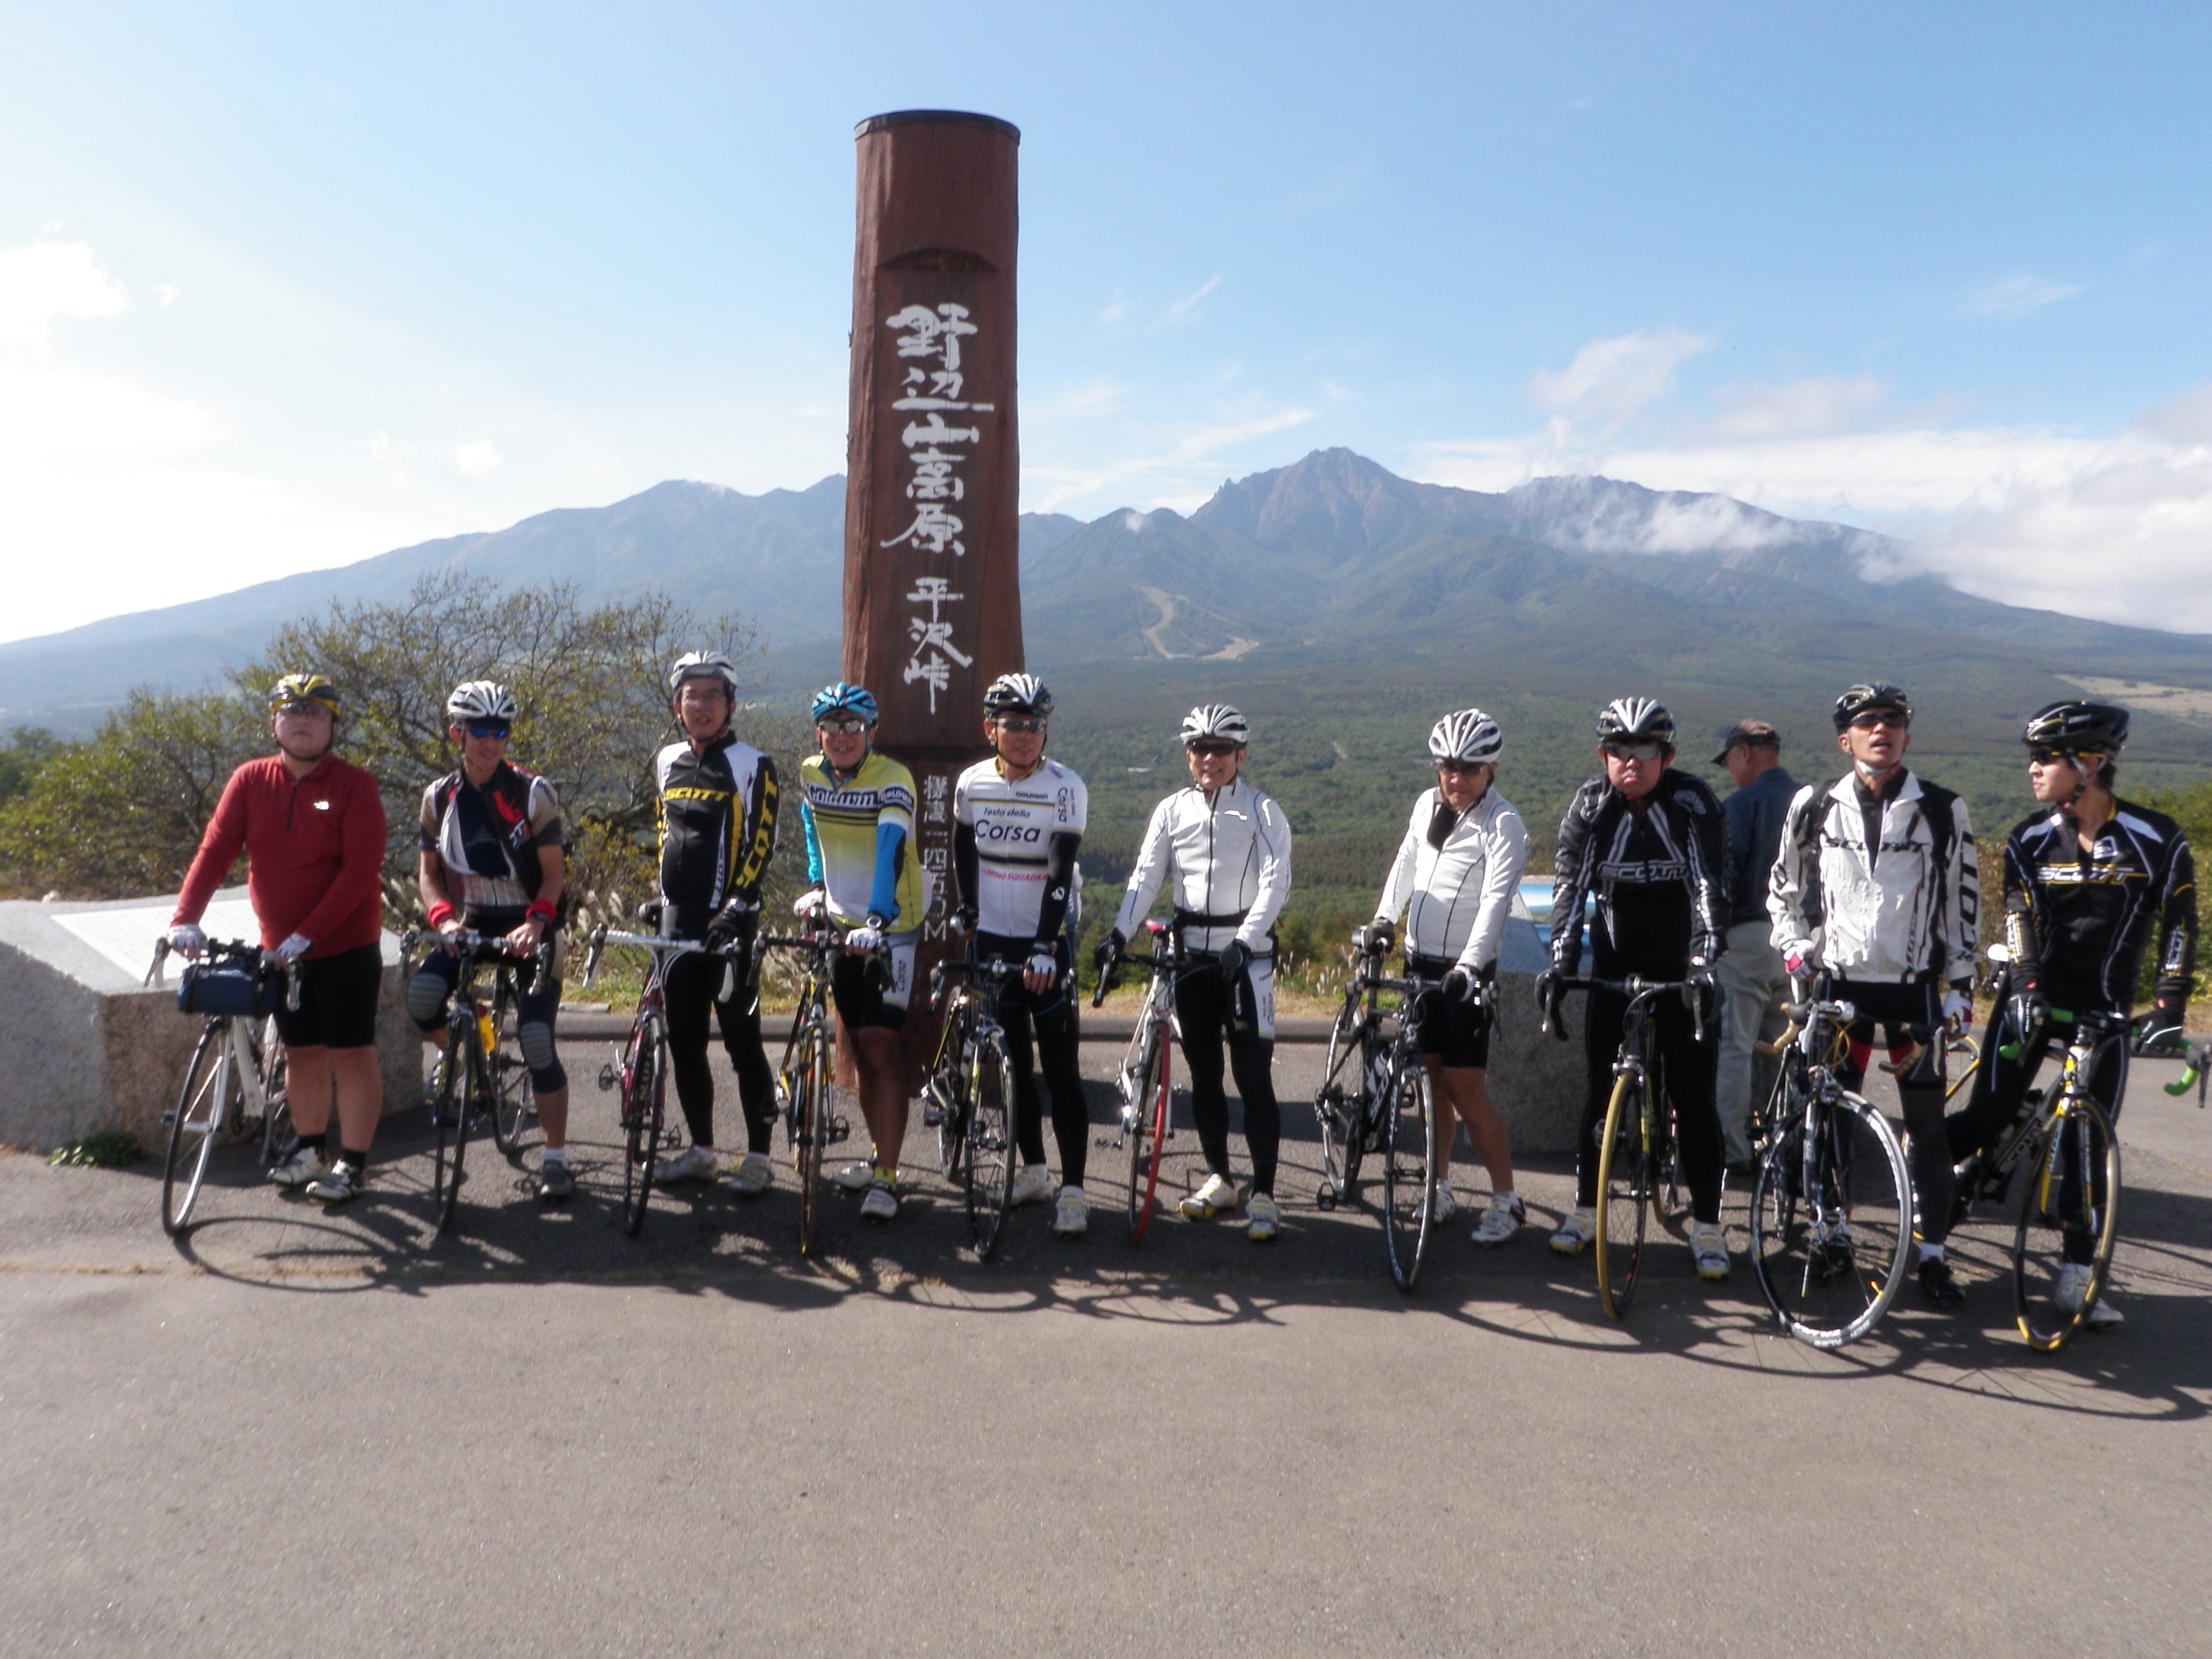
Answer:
[(292, 987), (161, 955)]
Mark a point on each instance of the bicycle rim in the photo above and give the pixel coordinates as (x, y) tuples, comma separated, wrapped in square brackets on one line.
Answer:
[(989, 1160), (644, 1102), (456, 1105), (1624, 1193), (1831, 1221), (2068, 1212), (514, 1102), (194, 1125), (1148, 1142), (1338, 1110), (276, 1094), (1409, 1174), (814, 1125), (947, 1092)]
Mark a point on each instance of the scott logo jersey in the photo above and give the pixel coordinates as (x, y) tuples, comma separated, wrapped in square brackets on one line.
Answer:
[(1014, 821), (717, 812)]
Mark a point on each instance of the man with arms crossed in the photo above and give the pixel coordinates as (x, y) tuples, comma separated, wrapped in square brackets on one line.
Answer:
[(312, 826), (1754, 982)]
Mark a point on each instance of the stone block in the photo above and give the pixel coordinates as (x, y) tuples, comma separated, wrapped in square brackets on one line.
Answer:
[(85, 1046), (1536, 1082)]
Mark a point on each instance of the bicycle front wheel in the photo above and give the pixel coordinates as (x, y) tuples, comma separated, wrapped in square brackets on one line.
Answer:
[(989, 1161), (1832, 1221), (276, 1094), (1409, 1173), (644, 1107), (201, 1105), (1623, 1194), (1341, 1105), (813, 1110), (2070, 1216), (1145, 1122), (460, 1092), (515, 1101)]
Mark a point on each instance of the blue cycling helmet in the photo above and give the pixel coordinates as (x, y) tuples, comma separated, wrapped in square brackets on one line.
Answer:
[(842, 699)]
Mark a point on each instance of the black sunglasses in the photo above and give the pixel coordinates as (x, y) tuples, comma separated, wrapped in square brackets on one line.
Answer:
[(1020, 722), (1212, 748), (1633, 751), (1874, 717)]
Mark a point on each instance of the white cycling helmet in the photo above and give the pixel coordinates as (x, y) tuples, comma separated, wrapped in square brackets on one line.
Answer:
[(1636, 719), (702, 666), (1018, 694), (1216, 720), (1469, 735), (481, 700)]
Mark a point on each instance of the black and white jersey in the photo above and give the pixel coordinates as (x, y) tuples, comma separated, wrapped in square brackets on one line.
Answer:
[(717, 812), (1016, 840), (1900, 904), (1226, 858), (2077, 923), (1455, 878), (1655, 867)]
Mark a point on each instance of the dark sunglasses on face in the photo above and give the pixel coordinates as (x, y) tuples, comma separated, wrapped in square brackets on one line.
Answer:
[(1460, 766), (486, 728), (844, 727), (2054, 757), (1874, 717), (1213, 749), (1021, 723), (1634, 751)]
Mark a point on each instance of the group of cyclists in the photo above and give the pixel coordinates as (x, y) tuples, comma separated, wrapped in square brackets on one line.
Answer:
[(1871, 882)]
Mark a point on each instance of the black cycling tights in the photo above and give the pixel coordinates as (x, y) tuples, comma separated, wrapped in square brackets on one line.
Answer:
[(1908, 1012), (692, 982), (1203, 1008), (1686, 1066), (1058, 1048)]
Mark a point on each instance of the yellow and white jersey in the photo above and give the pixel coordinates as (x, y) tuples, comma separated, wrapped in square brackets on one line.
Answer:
[(847, 856)]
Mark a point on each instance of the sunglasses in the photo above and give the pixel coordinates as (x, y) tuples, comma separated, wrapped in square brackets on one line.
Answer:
[(2060, 757), (845, 728), (1020, 722), (1212, 748), (1460, 765), (486, 728), (1646, 752), (1874, 717)]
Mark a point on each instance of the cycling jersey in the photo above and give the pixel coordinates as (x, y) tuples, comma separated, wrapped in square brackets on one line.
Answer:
[(859, 840), (1878, 885), (1656, 868), (1455, 878), (2078, 923), (1014, 842), (488, 838), (1228, 858), (314, 850), (717, 810)]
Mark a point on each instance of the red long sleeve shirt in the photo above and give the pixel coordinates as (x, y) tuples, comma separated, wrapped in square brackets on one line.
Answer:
[(314, 846)]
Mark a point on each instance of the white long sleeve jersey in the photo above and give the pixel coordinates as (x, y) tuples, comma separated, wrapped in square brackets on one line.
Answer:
[(1228, 857), (1455, 878)]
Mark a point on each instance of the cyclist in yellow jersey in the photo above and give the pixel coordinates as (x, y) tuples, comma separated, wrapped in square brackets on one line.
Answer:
[(857, 808)]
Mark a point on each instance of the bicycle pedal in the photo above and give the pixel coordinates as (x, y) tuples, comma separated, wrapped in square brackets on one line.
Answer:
[(608, 1078), (839, 1129), (931, 1115), (1325, 1200)]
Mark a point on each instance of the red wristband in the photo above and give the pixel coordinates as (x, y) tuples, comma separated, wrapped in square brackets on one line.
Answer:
[(441, 913), (539, 910)]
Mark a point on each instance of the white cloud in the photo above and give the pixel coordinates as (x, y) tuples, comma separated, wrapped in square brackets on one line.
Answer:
[(478, 458), (164, 295), (1181, 476), (1610, 380), (1753, 409), (2019, 295), (44, 282), (1179, 311)]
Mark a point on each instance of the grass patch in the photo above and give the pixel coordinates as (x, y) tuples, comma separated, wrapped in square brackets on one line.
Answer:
[(103, 1149)]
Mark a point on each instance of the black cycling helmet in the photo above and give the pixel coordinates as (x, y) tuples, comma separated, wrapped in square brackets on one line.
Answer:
[(1872, 694), (2078, 728), (1018, 694), (1636, 719)]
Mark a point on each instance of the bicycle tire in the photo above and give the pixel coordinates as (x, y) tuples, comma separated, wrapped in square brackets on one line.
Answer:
[(2080, 1138), (1148, 1138), (990, 1159), (1409, 1173), (946, 1089), (458, 1093), (814, 1121), (514, 1098), (193, 1127), (1342, 1116), (645, 1099), (1624, 1186), (1832, 1221), (276, 1094)]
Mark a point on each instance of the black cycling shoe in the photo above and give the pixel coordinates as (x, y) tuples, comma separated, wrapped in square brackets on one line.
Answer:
[(1938, 1284)]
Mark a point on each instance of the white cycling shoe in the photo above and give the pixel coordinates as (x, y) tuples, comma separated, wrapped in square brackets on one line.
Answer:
[(1214, 1197)]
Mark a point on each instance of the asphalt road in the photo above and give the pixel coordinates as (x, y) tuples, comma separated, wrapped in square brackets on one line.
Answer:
[(297, 1430)]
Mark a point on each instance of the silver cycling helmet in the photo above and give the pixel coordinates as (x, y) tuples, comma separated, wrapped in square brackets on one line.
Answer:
[(1636, 719), (1469, 735), (702, 666), (481, 700), (1217, 721), (1018, 694)]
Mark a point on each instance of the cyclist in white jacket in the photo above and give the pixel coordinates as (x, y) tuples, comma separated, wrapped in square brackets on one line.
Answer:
[(1454, 881), (1225, 848)]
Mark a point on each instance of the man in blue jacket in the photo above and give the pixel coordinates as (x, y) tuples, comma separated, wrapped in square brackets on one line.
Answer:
[(1753, 980)]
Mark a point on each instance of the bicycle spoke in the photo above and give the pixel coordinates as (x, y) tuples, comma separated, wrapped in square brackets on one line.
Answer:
[(1832, 1220)]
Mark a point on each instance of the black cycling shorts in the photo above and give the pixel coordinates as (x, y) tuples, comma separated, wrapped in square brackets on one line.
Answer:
[(1457, 1033), (876, 1000), (337, 1001)]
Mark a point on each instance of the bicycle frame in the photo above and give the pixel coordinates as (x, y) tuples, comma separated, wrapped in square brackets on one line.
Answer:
[(221, 1095), (1147, 1076), (811, 1122)]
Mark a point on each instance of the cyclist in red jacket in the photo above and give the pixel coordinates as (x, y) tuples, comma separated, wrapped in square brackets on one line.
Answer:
[(312, 828)]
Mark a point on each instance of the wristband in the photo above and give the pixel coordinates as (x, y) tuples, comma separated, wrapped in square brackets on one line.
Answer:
[(539, 910), (441, 913)]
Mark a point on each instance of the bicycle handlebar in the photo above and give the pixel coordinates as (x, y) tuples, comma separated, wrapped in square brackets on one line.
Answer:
[(992, 969), (1639, 989), (237, 949)]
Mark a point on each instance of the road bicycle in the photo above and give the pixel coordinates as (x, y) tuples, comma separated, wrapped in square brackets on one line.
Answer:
[(641, 1073), (234, 1084), (1144, 1081), (1831, 1206), (479, 1082), (814, 1107), (1375, 1096), (2062, 1146), (1631, 1178), (969, 1097)]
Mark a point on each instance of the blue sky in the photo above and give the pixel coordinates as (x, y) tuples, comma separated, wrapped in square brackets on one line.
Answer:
[(284, 286)]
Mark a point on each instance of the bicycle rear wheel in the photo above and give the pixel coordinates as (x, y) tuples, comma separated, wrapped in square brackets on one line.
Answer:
[(1340, 1106), (200, 1109), (1832, 1221), (1145, 1122), (645, 1099), (989, 1160), (946, 1092), (2070, 1216), (460, 1092), (814, 1120), (1624, 1193), (276, 1093), (514, 1099), (1409, 1173)]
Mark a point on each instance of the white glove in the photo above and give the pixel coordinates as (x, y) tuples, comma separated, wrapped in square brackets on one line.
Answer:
[(293, 949), (808, 902), (1799, 963), (1958, 1010), (186, 937), (1042, 963), (863, 938)]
